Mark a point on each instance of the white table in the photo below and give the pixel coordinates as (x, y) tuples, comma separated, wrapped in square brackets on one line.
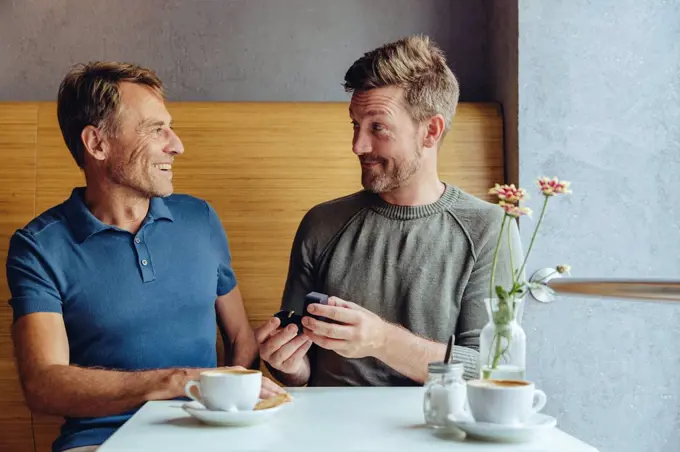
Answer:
[(320, 419)]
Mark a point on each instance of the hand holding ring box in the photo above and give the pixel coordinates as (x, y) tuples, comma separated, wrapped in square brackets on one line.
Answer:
[(288, 317)]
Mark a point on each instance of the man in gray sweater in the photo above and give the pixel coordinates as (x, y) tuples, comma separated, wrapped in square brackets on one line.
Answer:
[(407, 261)]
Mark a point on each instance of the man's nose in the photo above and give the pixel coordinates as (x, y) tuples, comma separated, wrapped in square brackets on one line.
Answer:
[(361, 143), (175, 145)]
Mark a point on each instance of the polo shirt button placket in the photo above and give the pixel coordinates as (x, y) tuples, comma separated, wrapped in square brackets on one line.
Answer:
[(144, 258)]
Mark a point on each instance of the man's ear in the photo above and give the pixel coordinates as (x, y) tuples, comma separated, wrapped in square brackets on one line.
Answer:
[(434, 130), (94, 143)]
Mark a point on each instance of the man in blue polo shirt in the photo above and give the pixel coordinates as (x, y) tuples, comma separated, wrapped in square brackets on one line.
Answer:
[(117, 291)]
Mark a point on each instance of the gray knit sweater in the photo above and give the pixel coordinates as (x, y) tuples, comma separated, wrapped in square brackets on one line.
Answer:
[(426, 268)]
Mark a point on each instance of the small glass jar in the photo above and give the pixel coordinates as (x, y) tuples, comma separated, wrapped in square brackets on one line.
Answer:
[(445, 393)]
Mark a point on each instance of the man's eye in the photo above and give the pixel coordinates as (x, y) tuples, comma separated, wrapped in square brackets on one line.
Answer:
[(377, 126), (355, 125)]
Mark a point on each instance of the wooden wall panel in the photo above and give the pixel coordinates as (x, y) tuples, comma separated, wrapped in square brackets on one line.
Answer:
[(262, 166), (17, 207)]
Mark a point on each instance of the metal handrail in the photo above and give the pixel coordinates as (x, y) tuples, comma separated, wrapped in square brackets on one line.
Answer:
[(636, 289)]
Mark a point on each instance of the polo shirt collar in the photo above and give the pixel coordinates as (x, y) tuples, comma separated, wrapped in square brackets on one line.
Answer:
[(84, 224), (158, 209)]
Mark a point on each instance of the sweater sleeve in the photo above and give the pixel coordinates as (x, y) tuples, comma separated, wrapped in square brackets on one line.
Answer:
[(300, 279)]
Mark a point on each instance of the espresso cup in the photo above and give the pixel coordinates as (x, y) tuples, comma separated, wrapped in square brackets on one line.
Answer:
[(508, 402), (226, 389)]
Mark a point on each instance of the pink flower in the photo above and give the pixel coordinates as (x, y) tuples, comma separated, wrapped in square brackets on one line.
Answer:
[(513, 210), (508, 193), (552, 187)]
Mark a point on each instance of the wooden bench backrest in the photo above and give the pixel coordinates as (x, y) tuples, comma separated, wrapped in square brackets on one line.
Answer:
[(261, 165)]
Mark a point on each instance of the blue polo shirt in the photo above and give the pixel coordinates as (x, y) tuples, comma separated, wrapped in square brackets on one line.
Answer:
[(129, 301)]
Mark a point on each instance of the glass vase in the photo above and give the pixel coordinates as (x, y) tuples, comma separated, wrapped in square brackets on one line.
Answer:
[(502, 342)]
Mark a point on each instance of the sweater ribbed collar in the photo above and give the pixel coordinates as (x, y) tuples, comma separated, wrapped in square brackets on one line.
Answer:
[(397, 212)]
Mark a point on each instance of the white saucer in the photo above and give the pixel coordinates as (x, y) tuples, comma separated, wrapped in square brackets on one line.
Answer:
[(229, 418), (536, 424)]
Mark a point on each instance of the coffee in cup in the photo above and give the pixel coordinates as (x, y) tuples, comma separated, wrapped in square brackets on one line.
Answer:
[(509, 402), (226, 389)]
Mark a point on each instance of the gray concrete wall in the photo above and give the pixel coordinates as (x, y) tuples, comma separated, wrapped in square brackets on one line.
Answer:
[(254, 50), (599, 104)]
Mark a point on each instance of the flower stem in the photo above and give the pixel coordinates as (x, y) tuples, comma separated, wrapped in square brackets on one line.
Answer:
[(533, 237), (497, 354), (512, 262), (500, 353), (546, 276), (495, 256)]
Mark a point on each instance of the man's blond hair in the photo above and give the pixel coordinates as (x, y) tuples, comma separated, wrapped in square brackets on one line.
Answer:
[(417, 65), (90, 95)]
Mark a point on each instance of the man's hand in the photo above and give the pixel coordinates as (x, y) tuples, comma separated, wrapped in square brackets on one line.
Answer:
[(282, 348), (176, 379), (360, 332)]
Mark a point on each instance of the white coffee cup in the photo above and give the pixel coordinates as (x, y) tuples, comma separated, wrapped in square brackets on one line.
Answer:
[(227, 389), (508, 402)]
